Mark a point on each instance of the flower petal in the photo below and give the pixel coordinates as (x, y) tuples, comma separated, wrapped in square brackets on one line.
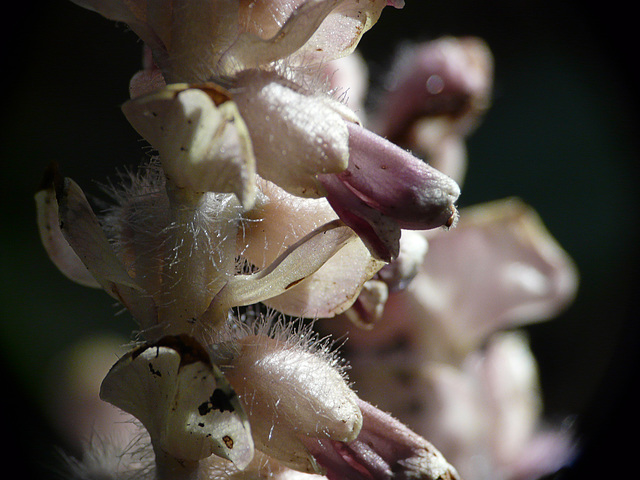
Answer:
[(379, 233), (295, 136), (203, 142), (333, 288), (84, 234), (392, 277), (341, 31), (59, 250), (291, 394), (182, 399), (298, 262), (369, 306), (252, 49), (279, 220), (510, 375), (386, 188), (499, 268), (385, 449), (304, 32), (396, 183), (398, 274)]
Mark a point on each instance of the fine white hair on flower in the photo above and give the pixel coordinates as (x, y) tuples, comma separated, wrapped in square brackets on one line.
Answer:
[(292, 386), (141, 211), (106, 457), (265, 324)]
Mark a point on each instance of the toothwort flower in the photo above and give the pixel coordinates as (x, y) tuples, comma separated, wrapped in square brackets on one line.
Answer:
[(231, 212)]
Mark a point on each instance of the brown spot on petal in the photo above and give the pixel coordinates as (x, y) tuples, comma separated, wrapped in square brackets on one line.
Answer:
[(453, 219), (218, 94), (228, 441), (219, 400), (294, 283)]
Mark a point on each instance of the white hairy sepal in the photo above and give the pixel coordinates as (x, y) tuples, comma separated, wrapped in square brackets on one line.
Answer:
[(178, 245), (291, 392), (182, 399), (203, 142)]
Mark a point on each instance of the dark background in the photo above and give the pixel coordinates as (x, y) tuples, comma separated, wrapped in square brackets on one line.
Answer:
[(562, 134)]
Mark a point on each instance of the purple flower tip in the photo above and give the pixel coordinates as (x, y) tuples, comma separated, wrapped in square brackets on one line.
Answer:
[(386, 188)]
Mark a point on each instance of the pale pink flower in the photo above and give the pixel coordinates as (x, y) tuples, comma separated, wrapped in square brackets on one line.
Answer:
[(436, 93), (265, 109), (499, 269), (487, 414)]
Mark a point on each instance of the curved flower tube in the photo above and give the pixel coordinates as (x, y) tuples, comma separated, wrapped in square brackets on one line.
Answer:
[(385, 449), (385, 189)]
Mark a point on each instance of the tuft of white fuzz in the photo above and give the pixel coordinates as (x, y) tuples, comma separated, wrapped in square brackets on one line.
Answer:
[(292, 387), (113, 458)]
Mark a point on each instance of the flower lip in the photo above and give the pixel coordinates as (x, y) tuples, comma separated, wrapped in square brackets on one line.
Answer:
[(385, 188), (384, 449), (391, 180)]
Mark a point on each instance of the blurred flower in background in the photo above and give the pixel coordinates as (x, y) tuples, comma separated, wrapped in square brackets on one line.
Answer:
[(558, 136)]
